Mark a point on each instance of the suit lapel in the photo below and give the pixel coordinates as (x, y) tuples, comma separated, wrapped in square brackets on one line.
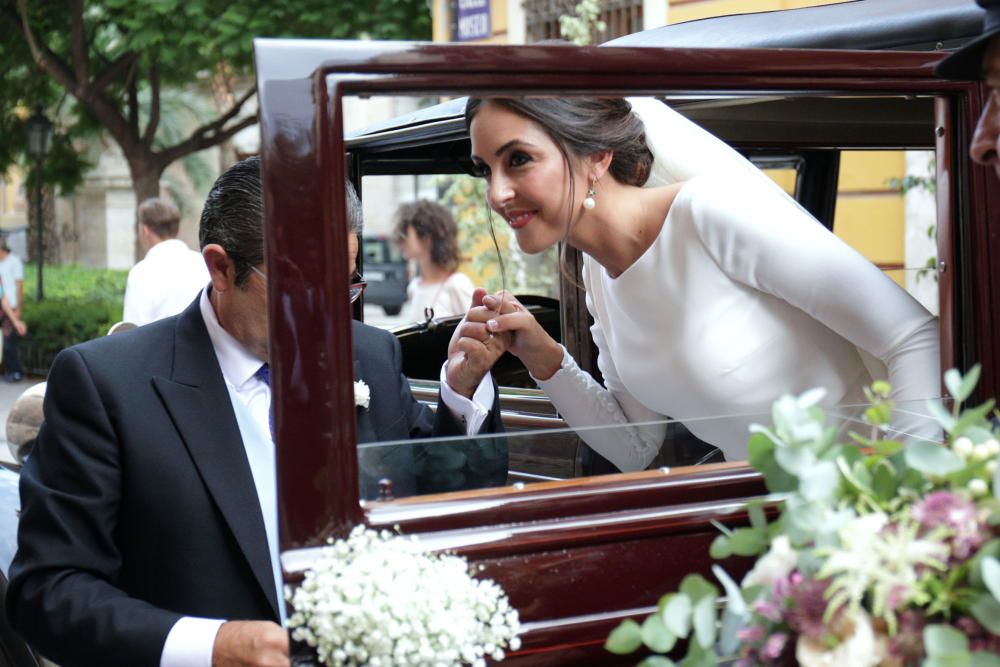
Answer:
[(198, 402), (365, 425)]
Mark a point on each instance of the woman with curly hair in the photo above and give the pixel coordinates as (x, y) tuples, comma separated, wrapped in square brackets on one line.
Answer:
[(427, 234)]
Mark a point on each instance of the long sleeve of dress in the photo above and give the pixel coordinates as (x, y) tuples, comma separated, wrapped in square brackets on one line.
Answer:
[(608, 418), (762, 239)]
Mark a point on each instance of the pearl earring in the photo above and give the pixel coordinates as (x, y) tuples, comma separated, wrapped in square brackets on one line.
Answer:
[(589, 202)]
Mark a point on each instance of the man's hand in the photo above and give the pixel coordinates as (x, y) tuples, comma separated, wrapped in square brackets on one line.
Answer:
[(473, 349), (250, 643)]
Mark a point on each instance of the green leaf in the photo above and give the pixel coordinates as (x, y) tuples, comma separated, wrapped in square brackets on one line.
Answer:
[(720, 548), (697, 587), (734, 596), (972, 416), (969, 382), (698, 656), (795, 459), (981, 659), (941, 414), (991, 548), (705, 621), (624, 639), (932, 459), (655, 634), (996, 483), (760, 450), (953, 381), (887, 447), (757, 517), (991, 576), (677, 614), (748, 541), (657, 661), (942, 640), (986, 610), (820, 481), (884, 482)]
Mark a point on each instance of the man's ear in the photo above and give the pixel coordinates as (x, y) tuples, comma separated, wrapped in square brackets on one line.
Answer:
[(221, 269)]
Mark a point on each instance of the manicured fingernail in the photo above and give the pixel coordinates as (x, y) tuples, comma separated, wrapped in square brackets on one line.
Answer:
[(492, 325)]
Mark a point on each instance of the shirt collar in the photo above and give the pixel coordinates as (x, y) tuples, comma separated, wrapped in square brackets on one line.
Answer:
[(238, 365), (166, 247)]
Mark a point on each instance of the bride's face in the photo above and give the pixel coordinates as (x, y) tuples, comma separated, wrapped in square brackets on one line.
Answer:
[(527, 179)]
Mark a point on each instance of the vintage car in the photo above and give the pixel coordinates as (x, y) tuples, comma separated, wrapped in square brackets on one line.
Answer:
[(578, 550)]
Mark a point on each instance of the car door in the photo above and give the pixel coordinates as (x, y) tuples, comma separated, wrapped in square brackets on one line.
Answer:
[(576, 556)]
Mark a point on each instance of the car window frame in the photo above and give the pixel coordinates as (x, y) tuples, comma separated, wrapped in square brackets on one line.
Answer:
[(296, 139)]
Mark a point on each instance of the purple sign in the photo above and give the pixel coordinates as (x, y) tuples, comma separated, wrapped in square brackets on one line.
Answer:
[(472, 20)]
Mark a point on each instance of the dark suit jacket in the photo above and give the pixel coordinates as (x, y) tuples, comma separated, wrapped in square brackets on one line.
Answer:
[(138, 505)]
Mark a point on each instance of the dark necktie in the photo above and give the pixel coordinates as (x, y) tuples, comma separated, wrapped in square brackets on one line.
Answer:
[(264, 375)]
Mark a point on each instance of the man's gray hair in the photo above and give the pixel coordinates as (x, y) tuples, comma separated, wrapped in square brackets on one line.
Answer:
[(355, 219)]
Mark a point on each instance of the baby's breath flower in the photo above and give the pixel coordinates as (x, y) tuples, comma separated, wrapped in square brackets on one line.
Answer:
[(963, 446), (978, 487), (376, 599)]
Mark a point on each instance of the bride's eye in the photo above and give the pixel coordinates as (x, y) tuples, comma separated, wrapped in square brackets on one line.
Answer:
[(518, 159), (480, 170)]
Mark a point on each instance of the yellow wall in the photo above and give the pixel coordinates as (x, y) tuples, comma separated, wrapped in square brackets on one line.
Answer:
[(689, 10)]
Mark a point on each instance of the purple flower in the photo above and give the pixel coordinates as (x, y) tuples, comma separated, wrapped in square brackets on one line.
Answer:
[(774, 646), (753, 633), (807, 604), (944, 509)]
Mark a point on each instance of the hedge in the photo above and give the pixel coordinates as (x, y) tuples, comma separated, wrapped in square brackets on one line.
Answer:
[(80, 303)]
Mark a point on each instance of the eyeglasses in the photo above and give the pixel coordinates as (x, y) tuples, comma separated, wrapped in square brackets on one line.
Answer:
[(357, 287)]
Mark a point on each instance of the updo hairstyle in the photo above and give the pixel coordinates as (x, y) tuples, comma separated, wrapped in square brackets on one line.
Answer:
[(583, 126)]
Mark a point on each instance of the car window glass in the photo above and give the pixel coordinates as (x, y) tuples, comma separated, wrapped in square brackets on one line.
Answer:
[(877, 205)]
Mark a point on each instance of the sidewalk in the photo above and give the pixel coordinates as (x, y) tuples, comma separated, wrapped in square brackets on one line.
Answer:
[(9, 392)]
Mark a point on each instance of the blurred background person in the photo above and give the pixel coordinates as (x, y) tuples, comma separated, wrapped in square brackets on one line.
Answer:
[(169, 277), (428, 235), (12, 283)]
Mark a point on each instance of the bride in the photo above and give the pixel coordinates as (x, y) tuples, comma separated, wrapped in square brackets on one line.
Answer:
[(712, 291)]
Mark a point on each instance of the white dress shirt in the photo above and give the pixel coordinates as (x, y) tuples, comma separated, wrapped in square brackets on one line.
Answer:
[(191, 640), (164, 282)]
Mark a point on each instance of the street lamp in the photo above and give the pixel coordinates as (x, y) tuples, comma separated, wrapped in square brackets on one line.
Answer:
[(39, 137)]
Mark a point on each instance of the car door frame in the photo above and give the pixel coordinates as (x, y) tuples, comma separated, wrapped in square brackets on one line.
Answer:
[(551, 545)]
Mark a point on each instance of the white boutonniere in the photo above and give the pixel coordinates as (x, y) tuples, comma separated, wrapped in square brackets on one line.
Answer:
[(362, 394)]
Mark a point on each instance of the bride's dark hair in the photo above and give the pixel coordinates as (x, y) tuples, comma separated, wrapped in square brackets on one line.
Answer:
[(583, 126)]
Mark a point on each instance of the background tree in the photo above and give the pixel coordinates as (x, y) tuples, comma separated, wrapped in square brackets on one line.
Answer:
[(114, 58)]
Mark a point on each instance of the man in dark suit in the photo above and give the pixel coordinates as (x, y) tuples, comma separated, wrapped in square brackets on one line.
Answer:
[(980, 59), (148, 533)]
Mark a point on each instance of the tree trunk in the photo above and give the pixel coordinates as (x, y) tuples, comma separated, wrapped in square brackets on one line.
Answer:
[(146, 184)]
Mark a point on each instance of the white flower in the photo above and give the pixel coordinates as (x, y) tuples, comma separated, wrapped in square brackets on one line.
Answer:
[(777, 563), (978, 487), (861, 649), (377, 599), (362, 394), (963, 446)]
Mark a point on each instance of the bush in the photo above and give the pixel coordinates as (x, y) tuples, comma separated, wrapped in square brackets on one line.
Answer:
[(80, 303)]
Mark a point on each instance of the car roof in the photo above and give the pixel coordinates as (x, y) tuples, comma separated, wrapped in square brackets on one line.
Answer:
[(861, 24), (918, 25)]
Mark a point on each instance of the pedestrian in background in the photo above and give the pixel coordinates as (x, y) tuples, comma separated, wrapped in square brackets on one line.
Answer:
[(428, 235), (12, 283), (170, 276)]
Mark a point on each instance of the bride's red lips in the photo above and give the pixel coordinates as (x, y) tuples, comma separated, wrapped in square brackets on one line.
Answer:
[(518, 219)]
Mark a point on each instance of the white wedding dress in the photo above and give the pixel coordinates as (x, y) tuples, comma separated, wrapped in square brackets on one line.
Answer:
[(742, 297)]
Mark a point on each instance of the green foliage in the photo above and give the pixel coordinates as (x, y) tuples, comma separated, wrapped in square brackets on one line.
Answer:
[(80, 303), (580, 26)]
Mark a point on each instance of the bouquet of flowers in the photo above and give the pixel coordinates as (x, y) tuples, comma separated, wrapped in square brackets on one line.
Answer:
[(377, 599), (882, 555)]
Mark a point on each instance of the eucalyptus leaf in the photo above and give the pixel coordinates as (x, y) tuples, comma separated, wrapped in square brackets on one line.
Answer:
[(986, 610), (884, 482), (729, 639), (933, 459), (756, 511), (677, 614), (720, 548), (698, 656), (624, 639), (942, 640), (734, 596), (748, 541), (972, 416), (991, 576), (697, 587), (941, 414), (820, 481), (982, 659), (794, 459), (657, 661), (969, 382), (991, 548), (655, 634), (705, 621), (953, 381), (887, 447)]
